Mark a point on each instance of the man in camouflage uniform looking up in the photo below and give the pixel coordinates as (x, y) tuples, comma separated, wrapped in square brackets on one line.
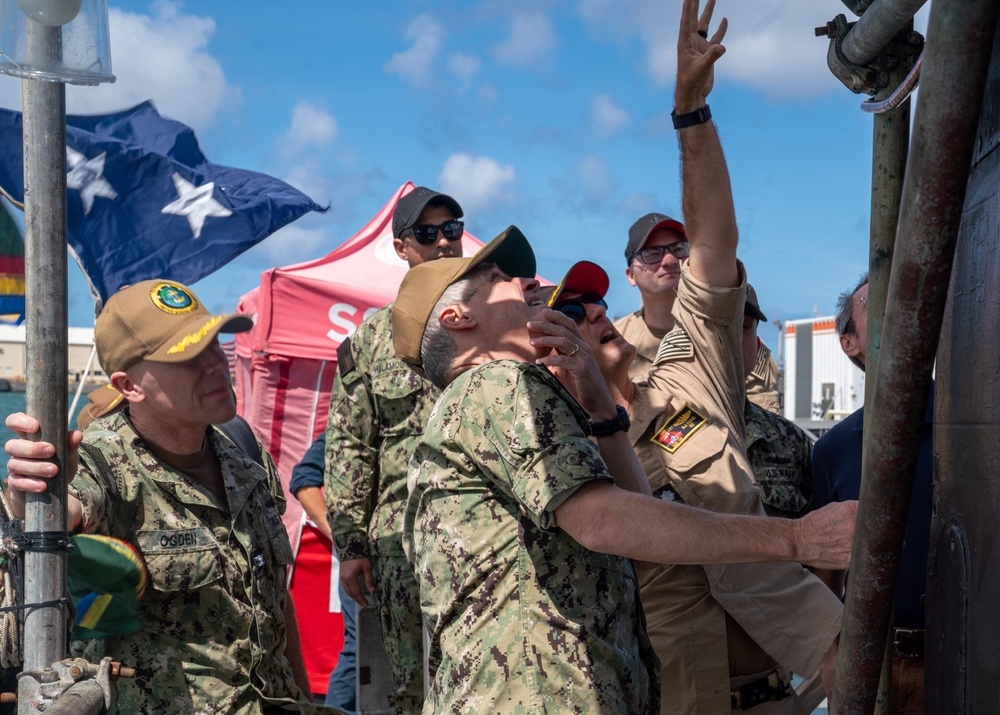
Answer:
[(519, 527), (378, 409), (218, 630)]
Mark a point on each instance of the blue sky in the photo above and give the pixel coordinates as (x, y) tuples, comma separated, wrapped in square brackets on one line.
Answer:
[(549, 114)]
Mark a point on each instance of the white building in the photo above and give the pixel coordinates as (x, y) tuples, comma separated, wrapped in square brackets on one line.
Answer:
[(821, 383), (13, 360)]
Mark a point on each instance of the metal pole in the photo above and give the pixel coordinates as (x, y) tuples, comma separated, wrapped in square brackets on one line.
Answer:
[(960, 40), (45, 345), (890, 141), (876, 28)]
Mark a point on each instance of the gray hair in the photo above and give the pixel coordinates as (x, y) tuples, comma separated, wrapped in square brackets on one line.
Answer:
[(437, 348), (844, 322)]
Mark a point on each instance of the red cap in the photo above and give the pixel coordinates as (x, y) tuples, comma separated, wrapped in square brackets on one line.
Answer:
[(583, 277)]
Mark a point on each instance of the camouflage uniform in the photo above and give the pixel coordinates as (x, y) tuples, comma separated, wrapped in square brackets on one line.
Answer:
[(762, 382), (213, 634), (781, 456), (523, 618), (634, 329), (717, 627), (378, 409)]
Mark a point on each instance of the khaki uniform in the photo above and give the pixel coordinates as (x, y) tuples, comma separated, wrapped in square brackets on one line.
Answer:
[(213, 634), (634, 329), (762, 382), (378, 409), (780, 454), (714, 627), (523, 619)]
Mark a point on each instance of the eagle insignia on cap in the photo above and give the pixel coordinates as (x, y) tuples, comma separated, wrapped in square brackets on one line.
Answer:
[(172, 298)]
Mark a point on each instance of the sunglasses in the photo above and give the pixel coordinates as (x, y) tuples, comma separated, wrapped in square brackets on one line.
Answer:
[(654, 254), (426, 234), (576, 308)]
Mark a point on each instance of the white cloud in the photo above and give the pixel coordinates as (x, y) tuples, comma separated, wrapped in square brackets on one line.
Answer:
[(311, 128), (771, 43), (478, 182), (416, 63), (595, 177), (163, 56), (608, 118), (292, 244), (463, 66), (312, 177), (531, 40)]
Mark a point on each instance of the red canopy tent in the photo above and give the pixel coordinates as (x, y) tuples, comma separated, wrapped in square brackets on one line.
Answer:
[(284, 371)]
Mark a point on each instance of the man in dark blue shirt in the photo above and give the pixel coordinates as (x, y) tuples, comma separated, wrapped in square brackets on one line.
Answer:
[(307, 486), (837, 477)]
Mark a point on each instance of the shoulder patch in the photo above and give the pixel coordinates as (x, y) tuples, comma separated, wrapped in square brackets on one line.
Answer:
[(345, 358), (672, 435), (763, 364), (675, 345)]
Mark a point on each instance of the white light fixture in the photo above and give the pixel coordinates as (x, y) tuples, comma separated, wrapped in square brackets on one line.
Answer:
[(74, 34), (52, 13)]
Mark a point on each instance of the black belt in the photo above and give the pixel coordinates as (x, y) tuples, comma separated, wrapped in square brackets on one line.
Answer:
[(908, 643), (760, 691)]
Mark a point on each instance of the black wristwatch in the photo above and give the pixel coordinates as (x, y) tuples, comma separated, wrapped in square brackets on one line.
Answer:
[(619, 423)]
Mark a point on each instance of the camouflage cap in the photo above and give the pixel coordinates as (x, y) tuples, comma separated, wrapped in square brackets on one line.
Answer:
[(158, 320), (409, 208), (752, 307), (424, 285), (638, 234)]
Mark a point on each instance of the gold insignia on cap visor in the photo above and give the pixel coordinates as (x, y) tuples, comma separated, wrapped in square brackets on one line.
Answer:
[(195, 337), (174, 299)]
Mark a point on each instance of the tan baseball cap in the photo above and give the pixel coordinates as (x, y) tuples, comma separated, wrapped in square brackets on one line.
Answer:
[(158, 320), (424, 284)]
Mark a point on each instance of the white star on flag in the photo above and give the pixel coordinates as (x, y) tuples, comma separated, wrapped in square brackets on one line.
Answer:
[(195, 203), (87, 176)]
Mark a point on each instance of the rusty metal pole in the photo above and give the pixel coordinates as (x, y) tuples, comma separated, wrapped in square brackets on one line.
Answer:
[(890, 141), (960, 37), (45, 346)]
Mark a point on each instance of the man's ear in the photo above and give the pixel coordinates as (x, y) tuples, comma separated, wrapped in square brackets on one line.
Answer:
[(628, 274), (397, 243), (456, 317), (124, 384), (850, 345)]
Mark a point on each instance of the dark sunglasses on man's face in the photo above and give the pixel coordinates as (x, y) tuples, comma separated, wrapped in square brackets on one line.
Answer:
[(426, 234), (576, 308), (654, 254)]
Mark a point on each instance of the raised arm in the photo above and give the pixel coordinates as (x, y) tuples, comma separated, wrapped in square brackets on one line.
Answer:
[(707, 197)]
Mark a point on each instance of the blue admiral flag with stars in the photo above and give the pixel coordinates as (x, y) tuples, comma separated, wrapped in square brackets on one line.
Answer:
[(144, 202)]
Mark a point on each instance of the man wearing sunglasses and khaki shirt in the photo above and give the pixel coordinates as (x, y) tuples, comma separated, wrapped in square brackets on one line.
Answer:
[(378, 409)]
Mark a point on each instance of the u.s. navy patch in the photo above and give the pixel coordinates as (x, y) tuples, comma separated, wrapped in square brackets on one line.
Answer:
[(678, 428), (173, 298)]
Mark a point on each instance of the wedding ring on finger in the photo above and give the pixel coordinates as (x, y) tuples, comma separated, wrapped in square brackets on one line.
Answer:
[(703, 33), (574, 351)]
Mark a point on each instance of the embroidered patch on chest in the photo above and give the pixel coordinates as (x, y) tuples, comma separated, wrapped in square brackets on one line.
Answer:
[(679, 428)]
